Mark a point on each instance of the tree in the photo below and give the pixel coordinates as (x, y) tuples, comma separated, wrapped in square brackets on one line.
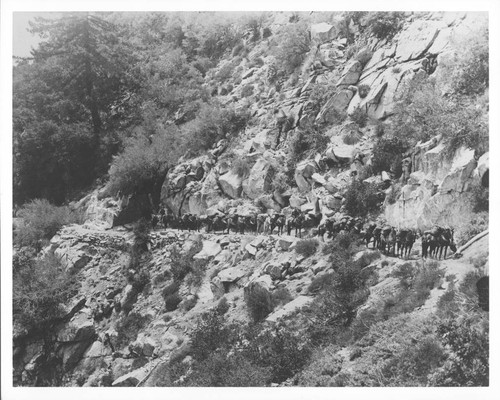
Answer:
[(144, 163), (92, 62)]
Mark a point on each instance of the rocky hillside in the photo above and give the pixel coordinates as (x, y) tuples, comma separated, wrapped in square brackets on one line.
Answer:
[(168, 307)]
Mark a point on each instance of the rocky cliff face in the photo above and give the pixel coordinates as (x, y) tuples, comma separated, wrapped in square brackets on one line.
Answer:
[(424, 46)]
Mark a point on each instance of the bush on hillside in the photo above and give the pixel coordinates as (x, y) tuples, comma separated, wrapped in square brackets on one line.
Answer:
[(211, 124), (467, 361), (306, 247), (471, 71), (362, 198), (387, 155), (360, 117), (292, 45), (40, 221), (384, 25), (41, 287), (259, 304)]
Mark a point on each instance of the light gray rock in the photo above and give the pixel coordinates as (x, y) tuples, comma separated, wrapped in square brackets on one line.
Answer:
[(210, 249), (323, 32), (289, 308), (259, 180), (416, 39), (350, 74), (231, 184)]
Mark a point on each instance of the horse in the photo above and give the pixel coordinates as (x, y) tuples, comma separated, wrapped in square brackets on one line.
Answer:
[(388, 240), (445, 240), (408, 243), (295, 222), (261, 219), (278, 221), (377, 237), (367, 235), (232, 222)]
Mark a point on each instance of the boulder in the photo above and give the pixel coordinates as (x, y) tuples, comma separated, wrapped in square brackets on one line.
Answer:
[(462, 167), (252, 250), (259, 180), (231, 274), (210, 249), (303, 173), (231, 184), (73, 257), (338, 103), (296, 201), (289, 308), (350, 74), (483, 166), (75, 337), (273, 270), (417, 38), (131, 379), (143, 346), (323, 32), (318, 179), (284, 243)]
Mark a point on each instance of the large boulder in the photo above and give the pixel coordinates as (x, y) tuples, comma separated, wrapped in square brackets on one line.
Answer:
[(131, 379), (303, 174), (289, 308), (75, 337), (417, 38), (350, 74), (231, 184), (260, 179), (462, 167), (210, 249), (72, 257), (323, 32), (380, 100), (338, 103)]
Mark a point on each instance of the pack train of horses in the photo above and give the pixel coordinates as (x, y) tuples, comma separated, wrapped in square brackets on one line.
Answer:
[(386, 238)]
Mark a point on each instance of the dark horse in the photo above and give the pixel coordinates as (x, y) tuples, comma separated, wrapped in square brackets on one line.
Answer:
[(278, 221)]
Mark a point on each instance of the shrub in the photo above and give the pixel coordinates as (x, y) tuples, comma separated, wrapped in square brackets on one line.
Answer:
[(360, 117), (361, 198), (387, 155), (470, 228), (172, 301), (211, 124), (281, 296), (259, 303), (182, 263), (363, 90), (210, 333), (40, 289), (306, 247), (40, 221), (467, 363), (394, 194), (471, 71), (143, 165), (241, 167), (321, 282), (222, 306), (480, 198), (352, 137), (279, 348), (291, 46), (384, 24), (223, 370), (363, 57), (266, 32)]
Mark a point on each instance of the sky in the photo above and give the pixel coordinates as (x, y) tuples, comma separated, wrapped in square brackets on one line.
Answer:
[(23, 41)]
